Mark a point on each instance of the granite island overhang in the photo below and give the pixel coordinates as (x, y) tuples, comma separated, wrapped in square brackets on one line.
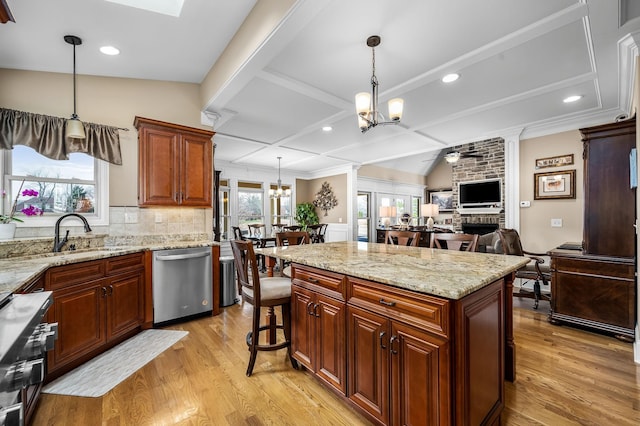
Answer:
[(405, 335)]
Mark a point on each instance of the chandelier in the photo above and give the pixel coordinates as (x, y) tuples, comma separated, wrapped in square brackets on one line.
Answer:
[(367, 104), (279, 192)]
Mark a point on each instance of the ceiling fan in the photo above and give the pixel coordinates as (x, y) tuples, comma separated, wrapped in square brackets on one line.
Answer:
[(454, 155)]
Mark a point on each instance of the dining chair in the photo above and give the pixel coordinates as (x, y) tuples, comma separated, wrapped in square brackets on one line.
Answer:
[(237, 233), (536, 270), (292, 228), (259, 292), (402, 238), (454, 241), (257, 230), (290, 238), (320, 233)]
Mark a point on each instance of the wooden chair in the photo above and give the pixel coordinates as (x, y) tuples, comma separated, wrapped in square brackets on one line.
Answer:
[(237, 233), (452, 241), (292, 228), (257, 230), (535, 270), (261, 292), (402, 238), (319, 237), (290, 238)]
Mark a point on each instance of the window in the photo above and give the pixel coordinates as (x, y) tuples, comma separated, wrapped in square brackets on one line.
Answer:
[(78, 185), (281, 208), (364, 216), (415, 210), (250, 204)]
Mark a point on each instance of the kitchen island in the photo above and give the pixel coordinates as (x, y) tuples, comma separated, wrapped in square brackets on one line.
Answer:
[(406, 335)]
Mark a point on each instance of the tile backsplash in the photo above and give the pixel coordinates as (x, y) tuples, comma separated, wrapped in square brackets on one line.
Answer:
[(134, 221)]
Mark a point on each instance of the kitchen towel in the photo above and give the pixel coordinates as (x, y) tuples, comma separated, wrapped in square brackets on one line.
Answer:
[(98, 376)]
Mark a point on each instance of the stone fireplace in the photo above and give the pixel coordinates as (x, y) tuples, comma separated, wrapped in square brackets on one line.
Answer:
[(489, 165)]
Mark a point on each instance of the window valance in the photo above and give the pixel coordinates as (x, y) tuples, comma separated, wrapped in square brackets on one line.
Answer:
[(45, 134)]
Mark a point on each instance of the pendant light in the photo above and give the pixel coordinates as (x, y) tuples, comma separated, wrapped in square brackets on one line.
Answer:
[(74, 127), (279, 192), (367, 104)]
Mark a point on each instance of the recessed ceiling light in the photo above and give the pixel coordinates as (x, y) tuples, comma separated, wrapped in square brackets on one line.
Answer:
[(450, 78), (165, 7), (327, 128), (573, 98), (110, 50)]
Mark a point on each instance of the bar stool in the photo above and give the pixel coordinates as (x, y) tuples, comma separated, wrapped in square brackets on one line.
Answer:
[(266, 292)]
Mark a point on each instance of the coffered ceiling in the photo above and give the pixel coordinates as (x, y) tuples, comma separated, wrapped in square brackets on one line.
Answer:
[(517, 61)]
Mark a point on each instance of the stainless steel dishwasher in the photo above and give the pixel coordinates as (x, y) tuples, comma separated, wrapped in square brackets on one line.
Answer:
[(182, 283)]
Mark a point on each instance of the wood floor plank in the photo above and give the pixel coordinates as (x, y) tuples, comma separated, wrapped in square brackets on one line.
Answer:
[(565, 376)]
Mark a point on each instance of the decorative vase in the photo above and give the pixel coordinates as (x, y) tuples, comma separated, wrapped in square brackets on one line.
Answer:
[(7, 230)]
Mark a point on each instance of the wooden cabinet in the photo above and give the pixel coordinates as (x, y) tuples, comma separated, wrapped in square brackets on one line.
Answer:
[(398, 371), (595, 287), (96, 304), (594, 291), (175, 164), (403, 357), (318, 331), (609, 209)]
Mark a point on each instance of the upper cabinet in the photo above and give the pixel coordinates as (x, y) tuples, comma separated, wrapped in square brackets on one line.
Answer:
[(174, 164), (609, 208)]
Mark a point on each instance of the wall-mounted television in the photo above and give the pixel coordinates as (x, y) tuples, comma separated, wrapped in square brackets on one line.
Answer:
[(480, 193)]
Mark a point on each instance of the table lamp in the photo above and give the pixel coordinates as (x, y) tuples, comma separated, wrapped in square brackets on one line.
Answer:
[(429, 210), (386, 213)]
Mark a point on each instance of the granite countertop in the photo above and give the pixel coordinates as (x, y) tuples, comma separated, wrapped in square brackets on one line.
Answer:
[(17, 271), (445, 273)]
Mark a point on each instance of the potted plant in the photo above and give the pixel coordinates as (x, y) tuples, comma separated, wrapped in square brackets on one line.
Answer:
[(306, 215)]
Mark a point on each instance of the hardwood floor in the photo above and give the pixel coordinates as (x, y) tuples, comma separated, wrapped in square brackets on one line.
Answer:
[(565, 376)]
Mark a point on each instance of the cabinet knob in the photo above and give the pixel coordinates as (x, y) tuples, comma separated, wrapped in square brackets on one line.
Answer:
[(315, 310), (310, 308), (384, 302)]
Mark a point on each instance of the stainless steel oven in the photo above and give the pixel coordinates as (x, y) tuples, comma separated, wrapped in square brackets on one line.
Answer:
[(24, 339)]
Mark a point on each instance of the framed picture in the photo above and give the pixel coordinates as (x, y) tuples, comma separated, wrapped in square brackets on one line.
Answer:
[(554, 185), (443, 199), (562, 160)]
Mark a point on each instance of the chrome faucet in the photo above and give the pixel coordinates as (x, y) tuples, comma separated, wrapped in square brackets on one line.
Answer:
[(57, 244)]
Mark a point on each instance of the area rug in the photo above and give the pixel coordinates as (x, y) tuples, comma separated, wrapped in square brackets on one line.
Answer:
[(98, 376)]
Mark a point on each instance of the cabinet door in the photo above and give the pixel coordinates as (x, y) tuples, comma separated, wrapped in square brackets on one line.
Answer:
[(419, 377), (196, 173), (79, 313), (330, 340), (302, 322), (159, 183), (125, 303), (369, 362)]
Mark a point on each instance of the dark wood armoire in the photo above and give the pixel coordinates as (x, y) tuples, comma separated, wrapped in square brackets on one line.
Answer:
[(596, 287)]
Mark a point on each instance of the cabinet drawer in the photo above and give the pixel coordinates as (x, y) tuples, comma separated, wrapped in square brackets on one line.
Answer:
[(593, 267), (64, 276), (128, 262), (402, 305), (328, 283)]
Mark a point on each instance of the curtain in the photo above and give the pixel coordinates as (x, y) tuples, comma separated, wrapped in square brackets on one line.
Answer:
[(45, 134)]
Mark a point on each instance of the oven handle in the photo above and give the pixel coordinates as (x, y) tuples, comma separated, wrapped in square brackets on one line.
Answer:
[(181, 256)]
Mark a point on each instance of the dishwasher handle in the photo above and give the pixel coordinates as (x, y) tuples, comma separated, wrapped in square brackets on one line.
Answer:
[(182, 256)]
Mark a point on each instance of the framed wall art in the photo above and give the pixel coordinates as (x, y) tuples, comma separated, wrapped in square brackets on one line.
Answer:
[(443, 199), (554, 185), (562, 160)]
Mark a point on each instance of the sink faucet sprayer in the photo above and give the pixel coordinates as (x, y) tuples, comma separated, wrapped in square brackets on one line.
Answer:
[(57, 244)]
